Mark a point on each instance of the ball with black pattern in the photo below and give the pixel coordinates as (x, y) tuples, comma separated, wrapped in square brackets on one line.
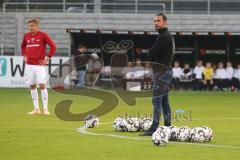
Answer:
[(160, 137), (208, 133), (183, 134), (132, 124), (91, 121), (119, 124), (173, 130), (197, 134), (145, 124)]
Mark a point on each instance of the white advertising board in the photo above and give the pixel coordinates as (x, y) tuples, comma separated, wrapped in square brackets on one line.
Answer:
[(12, 70)]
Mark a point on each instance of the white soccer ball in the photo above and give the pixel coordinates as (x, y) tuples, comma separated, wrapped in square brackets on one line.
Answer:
[(145, 124), (174, 131), (132, 124), (160, 137), (165, 129), (208, 133), (183, 134), (91, 121), (119, 124), (198, 134)]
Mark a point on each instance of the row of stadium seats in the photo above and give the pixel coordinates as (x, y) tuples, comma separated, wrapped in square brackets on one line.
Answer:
[(7, 34), (56, 23), (143, 22)]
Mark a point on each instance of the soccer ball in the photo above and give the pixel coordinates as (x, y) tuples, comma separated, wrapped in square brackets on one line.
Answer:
[(119, 124), (183, 134), (198, 134), (166, 129), (132, 124), (208, 133), (173, 130), (160, 137), (145, 124), (91, 121)]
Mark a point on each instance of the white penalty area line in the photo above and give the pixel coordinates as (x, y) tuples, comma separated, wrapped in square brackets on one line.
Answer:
[(83, 130)]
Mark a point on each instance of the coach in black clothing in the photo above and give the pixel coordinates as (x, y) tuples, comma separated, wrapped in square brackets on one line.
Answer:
[(161, 54)]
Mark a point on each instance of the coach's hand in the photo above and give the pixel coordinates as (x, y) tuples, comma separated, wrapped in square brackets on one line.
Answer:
[(45, 61)]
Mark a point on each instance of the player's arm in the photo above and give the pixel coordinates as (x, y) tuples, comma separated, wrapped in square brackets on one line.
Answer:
[(23, 48), (52, 45), (52, 51)]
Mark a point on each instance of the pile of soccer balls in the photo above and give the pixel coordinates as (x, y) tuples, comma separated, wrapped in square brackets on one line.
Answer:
[(91, 121), (132, 124), (163, 134), (182, 134)]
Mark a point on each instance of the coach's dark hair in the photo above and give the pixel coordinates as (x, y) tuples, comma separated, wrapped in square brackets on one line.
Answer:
[(163, 15)]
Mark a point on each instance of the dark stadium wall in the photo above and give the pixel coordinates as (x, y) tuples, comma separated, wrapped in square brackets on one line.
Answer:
[(189, 48), (185, 49), (1, 3), (212, 48), (234, 49)]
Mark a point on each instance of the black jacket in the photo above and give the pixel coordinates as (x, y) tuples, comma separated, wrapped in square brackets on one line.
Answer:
[(163, 49), (80, 60)]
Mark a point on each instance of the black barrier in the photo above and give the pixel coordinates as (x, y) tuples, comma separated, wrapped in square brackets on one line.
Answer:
[(185, 51), (189, 48), (234, 48), (212, 48), (108, 44)]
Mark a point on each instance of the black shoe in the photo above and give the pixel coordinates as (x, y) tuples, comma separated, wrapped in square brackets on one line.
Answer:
[(167, 124), (148, 133)]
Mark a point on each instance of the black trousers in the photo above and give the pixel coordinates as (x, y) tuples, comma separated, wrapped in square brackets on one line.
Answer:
[(176, 83), (221, 83), (208, 85), (229, 83), (236, 83), (197, 84)]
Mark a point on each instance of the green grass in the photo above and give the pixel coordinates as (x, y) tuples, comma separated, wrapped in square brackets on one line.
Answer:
[(25, 137)]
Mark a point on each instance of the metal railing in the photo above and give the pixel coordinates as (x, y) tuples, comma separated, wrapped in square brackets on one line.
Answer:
[(84, 7), (8, 48), (134, 6)]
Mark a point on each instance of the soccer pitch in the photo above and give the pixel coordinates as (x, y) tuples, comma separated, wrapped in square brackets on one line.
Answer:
[(47, 137)]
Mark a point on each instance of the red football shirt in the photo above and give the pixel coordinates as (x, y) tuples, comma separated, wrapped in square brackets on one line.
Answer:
[(34, 47)]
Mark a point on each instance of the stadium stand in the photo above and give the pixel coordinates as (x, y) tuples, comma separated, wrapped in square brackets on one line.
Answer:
[(184, 16), (56, 23)]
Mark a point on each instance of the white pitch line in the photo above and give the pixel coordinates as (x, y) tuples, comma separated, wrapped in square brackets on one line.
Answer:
[(105, 123), (209, 119), (207, 145), (84, 131)]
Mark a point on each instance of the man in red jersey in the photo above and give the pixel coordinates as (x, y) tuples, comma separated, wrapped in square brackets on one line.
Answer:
[(34, 54)]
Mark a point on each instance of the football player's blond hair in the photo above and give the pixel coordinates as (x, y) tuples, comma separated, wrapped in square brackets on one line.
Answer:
[(33, 20)]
